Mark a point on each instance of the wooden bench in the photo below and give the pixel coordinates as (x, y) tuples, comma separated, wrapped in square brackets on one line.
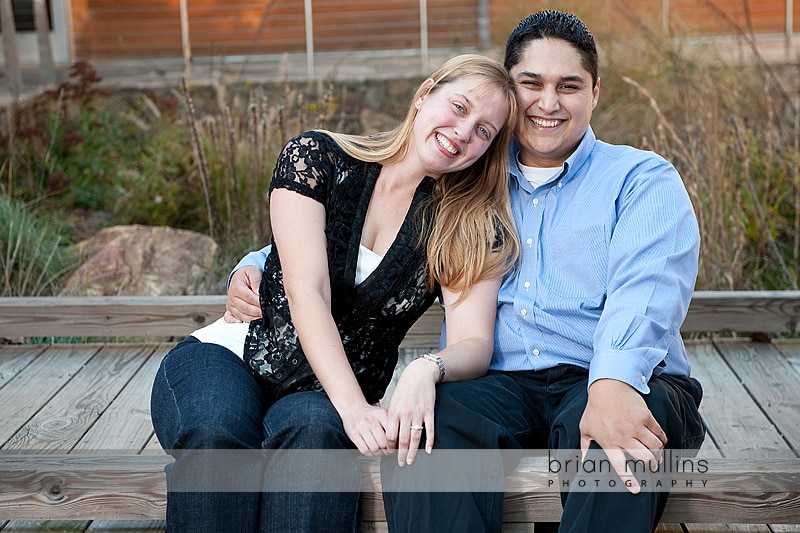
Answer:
[(76, 442)]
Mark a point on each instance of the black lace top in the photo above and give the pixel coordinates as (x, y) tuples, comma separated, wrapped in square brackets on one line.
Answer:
[(372, 317)]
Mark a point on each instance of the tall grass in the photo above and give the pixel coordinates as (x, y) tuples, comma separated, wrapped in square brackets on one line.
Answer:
[(235, 145), (32, 256), (731, 129)]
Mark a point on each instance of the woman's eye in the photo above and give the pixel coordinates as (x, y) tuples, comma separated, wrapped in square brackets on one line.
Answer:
[(483, 131), (459, 107)]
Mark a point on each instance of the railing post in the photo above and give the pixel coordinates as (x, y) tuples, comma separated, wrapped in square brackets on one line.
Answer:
[(423, 36), (309, 39), (9, 29), (185, 42), (43, 35), (789, 28), (484, 21)]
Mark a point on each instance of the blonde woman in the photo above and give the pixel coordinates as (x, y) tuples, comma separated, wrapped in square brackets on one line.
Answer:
[(367, 232)]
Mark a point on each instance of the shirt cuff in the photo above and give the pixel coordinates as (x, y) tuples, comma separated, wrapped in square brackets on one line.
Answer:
[(634, 367), (256, 259)]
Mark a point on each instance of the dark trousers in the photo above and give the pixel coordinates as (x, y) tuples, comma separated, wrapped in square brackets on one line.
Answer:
[(512, 412)]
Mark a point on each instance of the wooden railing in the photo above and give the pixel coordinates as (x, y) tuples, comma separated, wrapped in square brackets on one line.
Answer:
[(153, 317), (81, 486)]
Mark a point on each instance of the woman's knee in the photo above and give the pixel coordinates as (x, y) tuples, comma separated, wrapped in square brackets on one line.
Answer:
[(204, 397), (304, 420)]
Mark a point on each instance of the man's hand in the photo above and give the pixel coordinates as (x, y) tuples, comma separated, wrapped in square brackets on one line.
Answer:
[(618, 420), (243, 304)]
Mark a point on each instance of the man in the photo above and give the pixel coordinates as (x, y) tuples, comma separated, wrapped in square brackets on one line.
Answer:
[(588, 353)]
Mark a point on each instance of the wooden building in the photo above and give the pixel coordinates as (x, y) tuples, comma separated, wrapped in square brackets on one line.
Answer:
[(98, 30)]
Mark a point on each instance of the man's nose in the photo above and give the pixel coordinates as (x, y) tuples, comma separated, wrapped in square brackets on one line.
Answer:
[(548, 100)]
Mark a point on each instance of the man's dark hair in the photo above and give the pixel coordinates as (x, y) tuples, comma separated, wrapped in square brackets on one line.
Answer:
[(555, 25)]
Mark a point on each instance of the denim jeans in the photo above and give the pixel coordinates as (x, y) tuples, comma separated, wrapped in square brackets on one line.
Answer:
[(514, 411), (205, 398)]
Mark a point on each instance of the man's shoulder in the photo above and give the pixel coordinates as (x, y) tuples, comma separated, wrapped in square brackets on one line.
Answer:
[(626, 155)]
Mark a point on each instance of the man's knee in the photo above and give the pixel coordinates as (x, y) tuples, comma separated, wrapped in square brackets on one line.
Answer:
[(674, 402)]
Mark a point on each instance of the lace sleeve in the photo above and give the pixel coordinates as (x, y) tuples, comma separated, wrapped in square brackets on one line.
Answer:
[(304, 166)]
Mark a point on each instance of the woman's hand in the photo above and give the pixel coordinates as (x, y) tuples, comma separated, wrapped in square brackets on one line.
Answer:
[(411, 409), (366, 427)]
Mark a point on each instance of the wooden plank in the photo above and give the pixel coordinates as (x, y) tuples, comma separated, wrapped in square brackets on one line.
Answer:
[(13, 359), (70, 486), (50, 526), (744, 311), (125, 316), (75, 486), (60, 423), (125, 426), (772, 380), (153, 444), (139, 526), (734, 420), (32, 388), (724, 528)]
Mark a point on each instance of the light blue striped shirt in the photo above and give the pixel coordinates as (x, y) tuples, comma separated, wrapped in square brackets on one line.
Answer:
[(609, 261)]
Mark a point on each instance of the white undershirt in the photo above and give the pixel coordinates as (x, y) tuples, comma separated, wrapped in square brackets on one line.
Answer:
[(232, 335), (538, 176)]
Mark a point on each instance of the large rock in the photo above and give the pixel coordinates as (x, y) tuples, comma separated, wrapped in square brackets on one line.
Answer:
[(143, 261)]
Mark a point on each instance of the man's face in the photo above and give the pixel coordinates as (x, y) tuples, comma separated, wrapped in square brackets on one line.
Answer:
[(556, 100)]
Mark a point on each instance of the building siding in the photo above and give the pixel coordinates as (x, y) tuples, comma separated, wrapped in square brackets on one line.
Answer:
[(141, 29)]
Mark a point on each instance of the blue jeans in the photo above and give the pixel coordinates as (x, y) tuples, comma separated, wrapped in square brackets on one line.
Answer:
[(515, 411), (205, 398)]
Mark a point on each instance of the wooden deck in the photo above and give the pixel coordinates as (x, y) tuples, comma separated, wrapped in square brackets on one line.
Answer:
[(68, 398)]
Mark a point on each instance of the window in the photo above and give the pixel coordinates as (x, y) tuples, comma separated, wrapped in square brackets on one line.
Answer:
[(23, 15)]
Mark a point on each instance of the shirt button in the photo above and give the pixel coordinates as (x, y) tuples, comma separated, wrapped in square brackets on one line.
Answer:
[(529, 241), (536, 352), (560, 184), (535, 201), (527, 284), (644, 379), (524, 312)]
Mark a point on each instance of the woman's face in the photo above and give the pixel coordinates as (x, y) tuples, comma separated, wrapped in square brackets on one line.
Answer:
[(456, 124)]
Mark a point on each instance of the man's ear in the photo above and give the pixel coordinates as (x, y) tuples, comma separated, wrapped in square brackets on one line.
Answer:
[(596, 93)]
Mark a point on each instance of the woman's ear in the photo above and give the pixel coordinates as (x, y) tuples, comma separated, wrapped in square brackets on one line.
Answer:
[(423, 92)]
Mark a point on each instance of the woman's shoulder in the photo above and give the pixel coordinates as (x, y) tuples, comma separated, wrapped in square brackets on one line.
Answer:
[(313, 139)]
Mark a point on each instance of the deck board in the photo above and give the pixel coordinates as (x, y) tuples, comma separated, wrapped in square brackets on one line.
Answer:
[(735, 423), (32, 388), (14, 359), (60, 423), (97, 397), (771, 381), (125, 425)]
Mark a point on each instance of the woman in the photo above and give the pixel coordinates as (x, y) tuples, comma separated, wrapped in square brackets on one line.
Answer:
[(367, 232)]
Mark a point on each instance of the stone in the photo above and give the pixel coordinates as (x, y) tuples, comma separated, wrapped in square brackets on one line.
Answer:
[(140, 260)]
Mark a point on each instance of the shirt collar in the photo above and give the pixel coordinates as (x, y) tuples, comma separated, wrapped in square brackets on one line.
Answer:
[(574, 161)]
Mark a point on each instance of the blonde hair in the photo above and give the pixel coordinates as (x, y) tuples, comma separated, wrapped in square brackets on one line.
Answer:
[(471, 233)]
